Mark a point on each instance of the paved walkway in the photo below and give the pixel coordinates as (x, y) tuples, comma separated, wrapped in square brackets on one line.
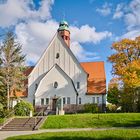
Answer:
[(6, 134)]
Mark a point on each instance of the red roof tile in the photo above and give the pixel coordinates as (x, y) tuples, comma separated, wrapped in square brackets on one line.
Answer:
[(97, 79)]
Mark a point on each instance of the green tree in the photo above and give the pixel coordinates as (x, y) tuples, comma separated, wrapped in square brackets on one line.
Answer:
[(11, 65), (113, 95)]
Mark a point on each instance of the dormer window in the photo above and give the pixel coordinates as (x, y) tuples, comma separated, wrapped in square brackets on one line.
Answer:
[(57, 55), (55, 85)]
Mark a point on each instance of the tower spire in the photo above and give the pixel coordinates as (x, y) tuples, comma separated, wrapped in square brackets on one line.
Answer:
[(63, 30)]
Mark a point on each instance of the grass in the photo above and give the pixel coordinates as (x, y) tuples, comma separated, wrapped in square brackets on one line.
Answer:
[(120, 134), (92, 120)]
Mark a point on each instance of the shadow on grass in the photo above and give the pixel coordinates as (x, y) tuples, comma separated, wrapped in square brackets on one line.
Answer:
[(78, 138), (128, 124)]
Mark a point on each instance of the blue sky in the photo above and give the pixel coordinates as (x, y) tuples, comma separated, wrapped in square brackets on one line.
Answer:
[(94, 25)]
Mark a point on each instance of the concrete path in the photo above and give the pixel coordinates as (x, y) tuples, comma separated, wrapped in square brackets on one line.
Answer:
[(6, 134)]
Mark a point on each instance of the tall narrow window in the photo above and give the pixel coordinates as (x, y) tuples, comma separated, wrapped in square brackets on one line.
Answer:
[(47, 101), (97, 100), (78, 85), (80, 100), (42, 101), (64, 100), (93, 100), (33, 102), (36, 86), (68, 100)]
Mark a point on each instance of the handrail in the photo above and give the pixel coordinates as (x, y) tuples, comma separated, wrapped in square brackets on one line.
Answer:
[(42, 111)]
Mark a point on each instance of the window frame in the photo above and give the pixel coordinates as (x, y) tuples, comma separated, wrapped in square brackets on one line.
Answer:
[(42, 101), (80, 100), (68, 100), (47, 102), (98, 100), (78, 85), (93, 100), (64, 100)]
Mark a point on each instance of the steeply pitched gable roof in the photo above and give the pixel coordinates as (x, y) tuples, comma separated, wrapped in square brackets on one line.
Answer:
[(57, 67), (57, 36), (97, 79)]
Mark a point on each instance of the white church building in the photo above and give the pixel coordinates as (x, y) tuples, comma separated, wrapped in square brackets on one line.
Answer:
[(59, 80)]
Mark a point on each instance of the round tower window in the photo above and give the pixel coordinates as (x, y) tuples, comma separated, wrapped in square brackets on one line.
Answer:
[(55, 84)]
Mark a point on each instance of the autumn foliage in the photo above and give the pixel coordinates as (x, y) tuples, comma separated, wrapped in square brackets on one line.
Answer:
[(126, 67)]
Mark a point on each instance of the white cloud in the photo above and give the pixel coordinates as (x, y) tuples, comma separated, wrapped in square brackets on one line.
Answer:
[(104, 10), (132, 18), (82, 54), (38, 29), (88, 34), (132, 34), (118, 12), (36, 35), (14, 10)]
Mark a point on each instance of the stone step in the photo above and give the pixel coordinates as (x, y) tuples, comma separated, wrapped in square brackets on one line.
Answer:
[(21, 124)]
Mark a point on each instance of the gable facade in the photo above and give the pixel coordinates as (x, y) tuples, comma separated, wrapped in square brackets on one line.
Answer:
[(58, 79), (57, 53)]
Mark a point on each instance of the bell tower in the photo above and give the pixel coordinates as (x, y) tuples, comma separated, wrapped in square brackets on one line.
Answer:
[(63, 30)]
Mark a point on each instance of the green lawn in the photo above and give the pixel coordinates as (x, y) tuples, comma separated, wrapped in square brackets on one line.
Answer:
[(92, 120), (121, 134)]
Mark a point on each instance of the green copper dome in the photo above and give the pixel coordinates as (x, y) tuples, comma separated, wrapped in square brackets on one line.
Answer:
[(63, 25)]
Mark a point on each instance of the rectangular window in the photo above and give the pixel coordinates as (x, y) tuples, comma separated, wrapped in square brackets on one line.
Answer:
[(47, 101), (97, 100), (93, 100), (42, 101), (78, 85), (79, 100), (33, 102), (68, 100), (36, 86), (64, 101)]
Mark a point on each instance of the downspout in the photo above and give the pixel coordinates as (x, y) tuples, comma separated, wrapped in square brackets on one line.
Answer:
[(76, 102)]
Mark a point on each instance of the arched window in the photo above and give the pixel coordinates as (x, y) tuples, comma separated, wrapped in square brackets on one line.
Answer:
[(55, 84), (66, 37), (57, 55)]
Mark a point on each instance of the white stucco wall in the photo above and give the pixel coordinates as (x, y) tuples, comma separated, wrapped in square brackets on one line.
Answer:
[(89, 99), (46, 87), (66, 61)]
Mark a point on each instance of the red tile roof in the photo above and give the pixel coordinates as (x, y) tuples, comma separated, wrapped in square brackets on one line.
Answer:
[(97, 79)]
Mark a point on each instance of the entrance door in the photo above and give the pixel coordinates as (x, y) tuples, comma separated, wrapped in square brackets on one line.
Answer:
[(54, 104)]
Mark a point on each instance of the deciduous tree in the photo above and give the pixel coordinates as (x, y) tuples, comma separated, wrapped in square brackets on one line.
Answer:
[(126, 65), (12, 64)]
